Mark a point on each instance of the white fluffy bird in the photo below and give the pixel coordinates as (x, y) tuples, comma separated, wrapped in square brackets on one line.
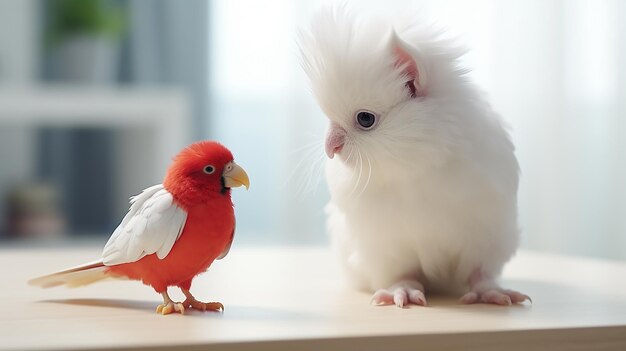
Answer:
[(422, 172)]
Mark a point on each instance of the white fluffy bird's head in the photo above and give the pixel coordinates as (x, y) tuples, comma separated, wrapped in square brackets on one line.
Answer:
[(381, 85), (354, 64)]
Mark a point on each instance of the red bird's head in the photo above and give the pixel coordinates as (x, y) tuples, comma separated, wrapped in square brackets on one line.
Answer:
[(203, 171)]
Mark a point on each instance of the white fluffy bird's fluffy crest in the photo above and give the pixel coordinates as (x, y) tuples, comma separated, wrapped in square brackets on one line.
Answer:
[(429, 191)]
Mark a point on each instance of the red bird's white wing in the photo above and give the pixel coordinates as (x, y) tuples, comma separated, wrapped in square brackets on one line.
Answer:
[(152, 225)]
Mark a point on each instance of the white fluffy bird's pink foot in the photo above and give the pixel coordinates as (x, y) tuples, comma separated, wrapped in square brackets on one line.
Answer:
[(401, 295), (485, 290), (495, 296)]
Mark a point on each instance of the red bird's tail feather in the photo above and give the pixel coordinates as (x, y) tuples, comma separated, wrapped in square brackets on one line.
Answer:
[(74, 277)]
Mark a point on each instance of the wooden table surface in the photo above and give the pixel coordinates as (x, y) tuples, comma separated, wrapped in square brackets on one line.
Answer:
[(295, 299)]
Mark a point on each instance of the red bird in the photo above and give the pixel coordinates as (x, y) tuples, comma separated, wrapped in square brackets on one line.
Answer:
[(173, 231)]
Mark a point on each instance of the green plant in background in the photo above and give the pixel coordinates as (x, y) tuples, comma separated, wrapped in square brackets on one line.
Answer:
[(68, 18)]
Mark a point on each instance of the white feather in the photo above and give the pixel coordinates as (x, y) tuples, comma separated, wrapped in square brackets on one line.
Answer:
[(74, 277), (431, 192), (152, 225)]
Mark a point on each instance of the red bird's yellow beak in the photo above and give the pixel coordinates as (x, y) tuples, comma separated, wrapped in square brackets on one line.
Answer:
[(235, 176)]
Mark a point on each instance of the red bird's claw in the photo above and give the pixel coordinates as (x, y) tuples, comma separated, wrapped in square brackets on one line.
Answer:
[(202, 306), (170, 307)]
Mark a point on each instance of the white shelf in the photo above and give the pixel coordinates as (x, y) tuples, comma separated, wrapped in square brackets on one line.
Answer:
[(165, 111), (154, 123)]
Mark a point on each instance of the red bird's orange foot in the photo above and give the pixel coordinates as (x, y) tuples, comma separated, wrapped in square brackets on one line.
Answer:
[(170, 307), (203, 306), (191, 301)]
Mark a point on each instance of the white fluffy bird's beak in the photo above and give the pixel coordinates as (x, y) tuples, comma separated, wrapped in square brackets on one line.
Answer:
[(335, 139), (235, 176)]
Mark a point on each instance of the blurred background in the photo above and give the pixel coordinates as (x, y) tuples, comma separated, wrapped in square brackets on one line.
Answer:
[(96, 97)]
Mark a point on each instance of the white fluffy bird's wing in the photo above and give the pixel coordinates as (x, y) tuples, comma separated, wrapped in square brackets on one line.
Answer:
[(152, 225)]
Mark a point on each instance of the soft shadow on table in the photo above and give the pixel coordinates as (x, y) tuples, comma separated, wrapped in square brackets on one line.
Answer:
[(451, 302), (265, 313), (231, 311), (109, 303), (542, 293)]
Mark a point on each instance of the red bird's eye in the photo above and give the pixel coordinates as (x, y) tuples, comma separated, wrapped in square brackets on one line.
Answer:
[(208, 169)]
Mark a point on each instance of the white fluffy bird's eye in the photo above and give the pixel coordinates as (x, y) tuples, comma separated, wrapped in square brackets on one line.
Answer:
[(208, 169), (366, 119)]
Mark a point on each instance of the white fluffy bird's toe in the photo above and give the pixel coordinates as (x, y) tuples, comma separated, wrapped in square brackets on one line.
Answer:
[(496, 296), (401, 295), (417, 297), (382, 297)]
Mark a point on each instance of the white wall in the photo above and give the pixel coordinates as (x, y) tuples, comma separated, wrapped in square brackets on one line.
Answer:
[(18, 66), (18, 41)]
